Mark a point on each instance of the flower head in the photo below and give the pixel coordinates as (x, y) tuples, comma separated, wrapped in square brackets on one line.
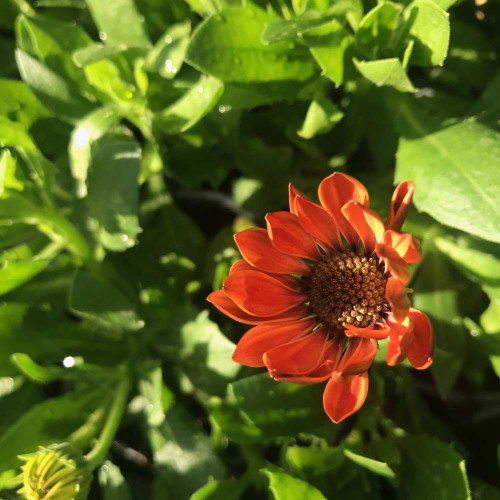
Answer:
[(322, 285), (55, 473)]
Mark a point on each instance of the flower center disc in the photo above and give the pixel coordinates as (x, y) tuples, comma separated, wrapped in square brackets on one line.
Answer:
[(345, 287)]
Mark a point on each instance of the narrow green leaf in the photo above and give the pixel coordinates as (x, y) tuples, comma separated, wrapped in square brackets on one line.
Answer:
[(113, 193), (286, 487), (227, 45), (386, 72), (16, 273), (119, 22), (321, 117), (314, 460), (35, 371), (370, 464)]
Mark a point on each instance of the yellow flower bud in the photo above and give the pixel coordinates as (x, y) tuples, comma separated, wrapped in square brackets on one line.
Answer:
[(55, 473)]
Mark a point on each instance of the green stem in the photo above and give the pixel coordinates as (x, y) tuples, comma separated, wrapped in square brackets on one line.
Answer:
[(98, 453), (24, 7)]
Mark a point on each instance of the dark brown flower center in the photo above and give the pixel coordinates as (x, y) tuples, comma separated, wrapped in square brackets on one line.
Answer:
[(345, 287)]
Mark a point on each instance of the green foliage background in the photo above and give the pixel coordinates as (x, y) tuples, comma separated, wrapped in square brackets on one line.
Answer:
[(138, 135)]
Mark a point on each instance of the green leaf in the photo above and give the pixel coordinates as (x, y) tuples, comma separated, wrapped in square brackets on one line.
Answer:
[(112, 483), (113, 193), (87, 131), (12, 133), (47, 423), (35, 371), (376, 33), (215, 490), (321, 117), (386, 72), (119, 22), (314, 460), (428, 26), (15, 273), (433, 470), (227, 46), (439, 161), (167, 56), (54, 92), (103, 304), (331, 45), (370, 464), (286, 487), (192, 106)]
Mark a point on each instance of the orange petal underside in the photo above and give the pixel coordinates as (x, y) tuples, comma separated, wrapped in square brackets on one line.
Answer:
[(318, 222), (258, 250), (298, 357), (334, 192), (261, 295), (289, 237), (397, 295), (293, 192), (422, 347), (358, 356), (400, 205), (406, 245), (400, 339), (345, 396), (262, 338), (226, 306), (366, 223), (375, 331)]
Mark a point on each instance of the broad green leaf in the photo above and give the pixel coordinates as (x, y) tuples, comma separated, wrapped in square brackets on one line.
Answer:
[(183, 455), (192, 107), (119, 22), (490, 319), (215, 490), (88, 130), (54, 92), (15, 273), (370, 464), (35, 371), (444, 4), (440, 162), (375, 36), (103, 304), (113, 484), (321, 117), (113, 191), (286, 487), (47, 423), (12, 133), (428, 26), (433, 470), (227, 45), (386, 72), (167, 56), (314, 460), (435, 294), (331, 45), (95, 52), (18, 103)]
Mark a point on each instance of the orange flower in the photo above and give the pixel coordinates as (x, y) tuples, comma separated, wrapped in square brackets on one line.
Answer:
[(322, 285)]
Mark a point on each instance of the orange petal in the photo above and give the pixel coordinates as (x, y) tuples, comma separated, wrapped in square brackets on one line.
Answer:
[(261, 295), (293, 192), (397, 295), (289, 237), (406, 245), (334, 192), (422, 347), (358, 356), (366, 223), (226, 306), (243, 265), (318, 222), (400, 205), (262, 338), (395, 265), (375, 331), (345, 396), (298, 357), (258, 250), (400, 339)]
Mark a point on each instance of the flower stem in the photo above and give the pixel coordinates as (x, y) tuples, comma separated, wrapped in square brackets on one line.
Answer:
[(98, 453)]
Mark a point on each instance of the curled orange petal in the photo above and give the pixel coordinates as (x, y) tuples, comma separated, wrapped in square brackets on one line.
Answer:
[(345, 396), (422, 347), (243, 265), (375, 331), (397, 296), (400, 339), (367, 224), (400, 204), (393, 262), (358, 356), (293, 192), (406, 245)]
